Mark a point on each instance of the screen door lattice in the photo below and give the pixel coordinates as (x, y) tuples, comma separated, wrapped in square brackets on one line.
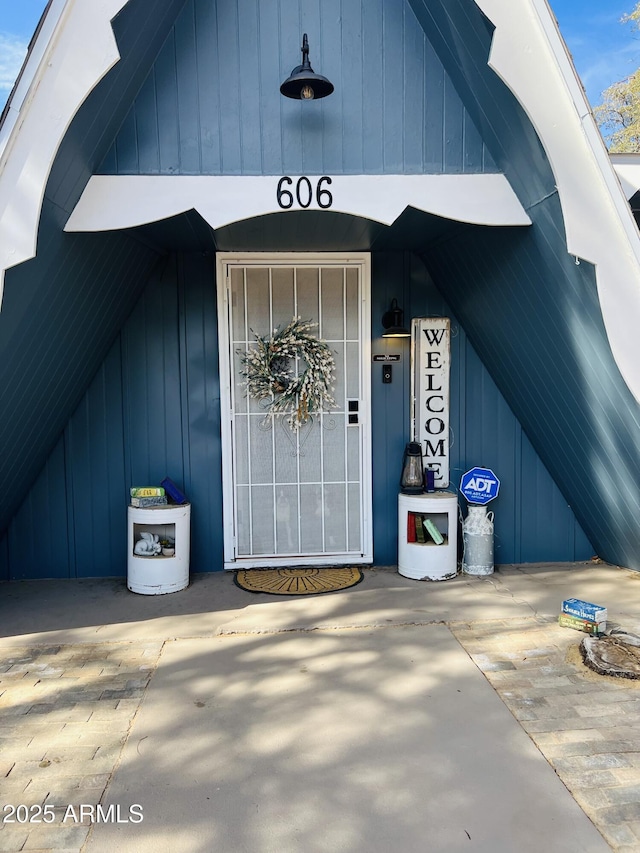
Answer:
[(298, 493)]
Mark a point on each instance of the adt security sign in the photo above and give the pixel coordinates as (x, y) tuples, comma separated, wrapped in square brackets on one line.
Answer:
[(479, 485)]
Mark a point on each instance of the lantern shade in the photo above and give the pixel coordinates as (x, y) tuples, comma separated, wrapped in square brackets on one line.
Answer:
[(303, 84), (393, 322), (412, 477)]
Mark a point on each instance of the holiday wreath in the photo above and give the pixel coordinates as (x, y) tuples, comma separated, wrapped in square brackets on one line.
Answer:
[(293, 370)]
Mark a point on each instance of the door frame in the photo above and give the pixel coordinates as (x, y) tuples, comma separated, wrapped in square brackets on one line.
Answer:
[(224, 260)]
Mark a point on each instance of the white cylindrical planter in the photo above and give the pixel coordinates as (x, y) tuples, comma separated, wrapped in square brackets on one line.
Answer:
[(157, 574), (428, 536)]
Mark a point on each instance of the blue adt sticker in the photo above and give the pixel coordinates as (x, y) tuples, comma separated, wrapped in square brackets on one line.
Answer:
[(480, 485)]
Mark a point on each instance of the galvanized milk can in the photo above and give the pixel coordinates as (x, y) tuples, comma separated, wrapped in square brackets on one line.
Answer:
[(477, 538)]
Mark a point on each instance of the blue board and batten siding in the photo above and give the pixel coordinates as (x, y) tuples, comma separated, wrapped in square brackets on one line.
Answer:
[(533, 521), (62, 310), (59, 318), (532, 313), (555, 366), (211, 104), (153, 410), (534, 387)]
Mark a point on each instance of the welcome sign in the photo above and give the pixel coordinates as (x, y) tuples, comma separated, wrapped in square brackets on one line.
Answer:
[(431, 363)]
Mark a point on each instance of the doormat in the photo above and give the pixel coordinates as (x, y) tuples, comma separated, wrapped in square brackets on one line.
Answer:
[(616, 654), (297, 581)]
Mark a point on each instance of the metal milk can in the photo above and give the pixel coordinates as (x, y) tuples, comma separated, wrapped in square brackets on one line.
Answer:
[(477, 538)]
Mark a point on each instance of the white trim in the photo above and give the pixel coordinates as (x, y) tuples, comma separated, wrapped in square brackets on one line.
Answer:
[(226, 414), (627, 168), (279, 561), (111, 202), (73, 51), (530, 56), (223, 261), (29, 69)]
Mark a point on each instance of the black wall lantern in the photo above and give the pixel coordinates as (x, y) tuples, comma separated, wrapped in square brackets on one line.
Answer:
[(393, 322), (304, 84)]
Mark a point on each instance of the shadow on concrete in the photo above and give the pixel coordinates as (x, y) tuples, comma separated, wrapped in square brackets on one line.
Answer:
[(353, 741), (103, 610)]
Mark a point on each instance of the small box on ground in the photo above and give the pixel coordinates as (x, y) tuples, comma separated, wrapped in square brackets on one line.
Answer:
[(565, 620), (584, 610)]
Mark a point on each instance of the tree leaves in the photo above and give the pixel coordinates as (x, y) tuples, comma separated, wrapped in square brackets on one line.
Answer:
[(618, 115)]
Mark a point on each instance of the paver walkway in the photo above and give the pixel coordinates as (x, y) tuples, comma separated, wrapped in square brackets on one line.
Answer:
[(586, 725), (65, 712), (69, 695)]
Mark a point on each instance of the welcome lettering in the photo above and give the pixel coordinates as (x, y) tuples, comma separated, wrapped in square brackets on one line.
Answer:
[(430, 413)]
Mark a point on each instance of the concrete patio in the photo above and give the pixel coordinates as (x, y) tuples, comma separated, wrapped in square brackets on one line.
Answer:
[(394, 715)]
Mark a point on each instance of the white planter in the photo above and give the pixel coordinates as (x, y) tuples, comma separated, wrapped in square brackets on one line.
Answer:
[(159, 574), (428, 560)]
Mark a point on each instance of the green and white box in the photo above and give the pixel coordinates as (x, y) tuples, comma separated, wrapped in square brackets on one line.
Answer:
[(565, 620)]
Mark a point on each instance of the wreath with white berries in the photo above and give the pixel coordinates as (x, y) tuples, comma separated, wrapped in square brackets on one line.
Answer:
[(292, 370)]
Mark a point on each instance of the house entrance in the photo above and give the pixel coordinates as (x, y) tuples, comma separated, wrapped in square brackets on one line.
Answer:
[(296, 496)]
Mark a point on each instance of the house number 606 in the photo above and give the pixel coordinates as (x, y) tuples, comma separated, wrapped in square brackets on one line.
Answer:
[(304, 193)]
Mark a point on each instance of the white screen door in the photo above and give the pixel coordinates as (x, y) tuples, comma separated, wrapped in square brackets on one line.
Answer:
[(303, 496)]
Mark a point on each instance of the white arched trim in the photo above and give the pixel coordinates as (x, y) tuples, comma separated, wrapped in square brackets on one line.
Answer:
[(74, 50), (111, 202), (530, 56)]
